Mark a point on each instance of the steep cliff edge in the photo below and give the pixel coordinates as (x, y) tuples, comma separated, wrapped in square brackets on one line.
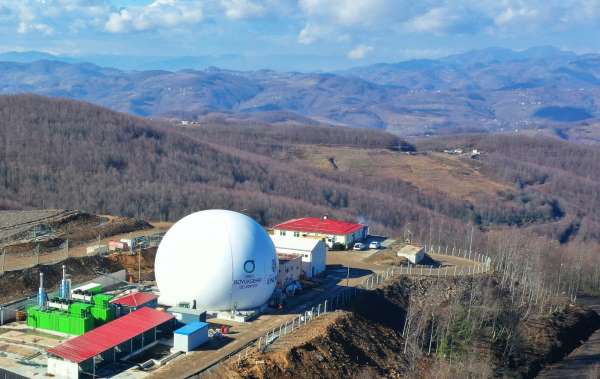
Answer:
[(367, 340)]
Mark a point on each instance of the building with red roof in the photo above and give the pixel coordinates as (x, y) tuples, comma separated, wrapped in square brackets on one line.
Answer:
[(134, 301), (336, 233), (110, 342)]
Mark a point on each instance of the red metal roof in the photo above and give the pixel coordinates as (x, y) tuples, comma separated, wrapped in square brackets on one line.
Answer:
[(136, 299), (320, 225), (109, 335)]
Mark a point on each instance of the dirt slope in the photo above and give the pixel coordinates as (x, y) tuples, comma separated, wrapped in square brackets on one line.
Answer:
[(366, 341)]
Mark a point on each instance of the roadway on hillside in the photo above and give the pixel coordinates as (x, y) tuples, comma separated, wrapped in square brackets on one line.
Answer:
[(583, 362), (14, 262)]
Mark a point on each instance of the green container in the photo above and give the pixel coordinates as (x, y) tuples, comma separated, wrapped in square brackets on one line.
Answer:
[(102, 300), (79, 309), (102, 315), (59, 321), (80, 325)]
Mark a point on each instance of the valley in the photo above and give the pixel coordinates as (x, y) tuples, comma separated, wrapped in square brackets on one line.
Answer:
[(491, 90)]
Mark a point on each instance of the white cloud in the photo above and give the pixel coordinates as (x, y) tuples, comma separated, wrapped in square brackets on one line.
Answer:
[(439, 17), (240, 9), (359, 52), (311, 33), (48, 16), (346, 12), (159, 14), (511, 15), (25, 27), (435, 20)]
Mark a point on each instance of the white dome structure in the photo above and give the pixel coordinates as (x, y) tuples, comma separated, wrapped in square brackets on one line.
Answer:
[(218, 260)]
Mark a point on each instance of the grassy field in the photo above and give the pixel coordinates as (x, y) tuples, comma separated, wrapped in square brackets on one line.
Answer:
[(455, 176)]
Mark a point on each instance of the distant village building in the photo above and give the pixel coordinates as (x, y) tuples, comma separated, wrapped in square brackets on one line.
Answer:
[(335, 233), (313, 252)]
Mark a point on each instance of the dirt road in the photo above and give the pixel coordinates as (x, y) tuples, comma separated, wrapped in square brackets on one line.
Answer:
[(583, 362)]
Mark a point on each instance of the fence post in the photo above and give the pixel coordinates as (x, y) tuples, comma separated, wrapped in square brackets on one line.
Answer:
[(325, 307), (3, 261)]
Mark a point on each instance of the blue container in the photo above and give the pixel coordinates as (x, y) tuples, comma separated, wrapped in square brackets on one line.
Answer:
[(190, 336)]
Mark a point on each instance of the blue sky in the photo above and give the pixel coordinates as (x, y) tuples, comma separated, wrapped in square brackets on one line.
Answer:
[(334, 33)]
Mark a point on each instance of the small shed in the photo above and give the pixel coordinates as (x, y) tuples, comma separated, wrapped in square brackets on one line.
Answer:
[(97, 249), (190, 336), (312, 250), (187, 315), (413, 253)]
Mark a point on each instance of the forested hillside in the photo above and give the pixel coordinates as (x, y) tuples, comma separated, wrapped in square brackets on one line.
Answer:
[(537, 194)]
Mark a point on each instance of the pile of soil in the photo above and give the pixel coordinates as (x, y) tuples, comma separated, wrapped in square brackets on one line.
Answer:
[(19, 284), (133, 263), (351, 347)]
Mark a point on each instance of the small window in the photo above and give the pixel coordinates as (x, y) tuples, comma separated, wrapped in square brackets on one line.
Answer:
[(282, 232), (296, 234)]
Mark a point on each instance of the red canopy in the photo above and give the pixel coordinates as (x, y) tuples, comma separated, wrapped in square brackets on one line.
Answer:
[(136, 299), (320, 225), (107, 336)]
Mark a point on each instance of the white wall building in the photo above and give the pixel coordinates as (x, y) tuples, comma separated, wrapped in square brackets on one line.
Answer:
[(336, 233), (312, 250)]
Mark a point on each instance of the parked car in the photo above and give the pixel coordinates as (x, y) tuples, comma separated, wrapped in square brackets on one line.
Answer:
[(359, 246), (374, 245)]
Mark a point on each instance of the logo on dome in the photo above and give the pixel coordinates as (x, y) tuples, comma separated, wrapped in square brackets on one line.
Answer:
[(274, 265), (249, 266)]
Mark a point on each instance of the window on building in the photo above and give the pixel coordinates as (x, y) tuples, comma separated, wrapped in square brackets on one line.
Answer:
[(296, 234), (282, 232)]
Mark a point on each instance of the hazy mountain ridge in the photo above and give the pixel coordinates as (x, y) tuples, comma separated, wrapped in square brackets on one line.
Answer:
[(485, 90)]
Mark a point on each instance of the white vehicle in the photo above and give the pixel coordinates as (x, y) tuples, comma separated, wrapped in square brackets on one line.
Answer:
[(359, 246), (374, 245)]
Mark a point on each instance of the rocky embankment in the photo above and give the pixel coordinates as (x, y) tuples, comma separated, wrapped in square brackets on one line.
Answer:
[(366, 341)]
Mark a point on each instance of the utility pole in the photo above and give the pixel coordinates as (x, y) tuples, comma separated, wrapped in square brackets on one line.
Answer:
[(140, 265), (471, 241), (67, 246), (348, 275)]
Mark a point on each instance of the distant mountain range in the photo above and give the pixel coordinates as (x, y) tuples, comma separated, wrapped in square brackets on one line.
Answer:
[(486, 90)]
